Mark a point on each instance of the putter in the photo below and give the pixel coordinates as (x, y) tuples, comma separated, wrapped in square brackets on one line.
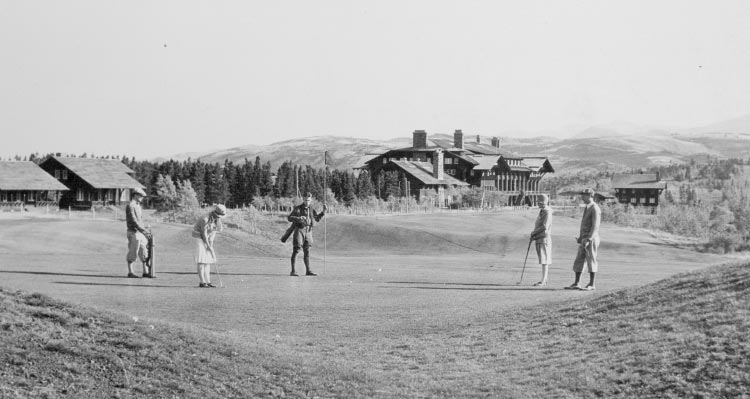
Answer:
[(524, 263), (216, 266), (221, 283)]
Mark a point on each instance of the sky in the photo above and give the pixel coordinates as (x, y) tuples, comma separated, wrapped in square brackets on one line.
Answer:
[(156, 78)]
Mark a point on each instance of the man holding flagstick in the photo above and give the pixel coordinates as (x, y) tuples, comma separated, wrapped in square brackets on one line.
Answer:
[(303, 218)]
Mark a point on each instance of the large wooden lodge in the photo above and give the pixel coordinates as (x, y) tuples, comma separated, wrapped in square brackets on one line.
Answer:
[(444, 164)]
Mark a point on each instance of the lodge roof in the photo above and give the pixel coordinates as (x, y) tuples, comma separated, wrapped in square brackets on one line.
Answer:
[(26, 175), (422, 171), (482, 148), (101, 173), (638, 180), (364, 160), (465, 157), (486, 162), (468, 147), (534, 164)]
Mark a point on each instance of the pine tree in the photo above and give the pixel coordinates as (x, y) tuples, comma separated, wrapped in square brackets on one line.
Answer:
[(166, 193), (266, 180), (348, 189), (198, 180), (365, 188)]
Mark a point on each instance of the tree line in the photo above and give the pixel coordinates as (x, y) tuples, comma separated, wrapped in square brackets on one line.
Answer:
[(244, 183)]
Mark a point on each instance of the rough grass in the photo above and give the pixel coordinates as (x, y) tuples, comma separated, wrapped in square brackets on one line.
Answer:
[(685, 336)]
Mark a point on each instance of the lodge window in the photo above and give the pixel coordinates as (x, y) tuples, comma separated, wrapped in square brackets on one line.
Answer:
[(57, 174), (65, 174), (451, 172), (643, 200), (449, 161), (633, 200), (79, 194)]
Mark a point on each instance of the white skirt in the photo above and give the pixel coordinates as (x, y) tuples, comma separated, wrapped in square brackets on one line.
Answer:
[(201, 254)]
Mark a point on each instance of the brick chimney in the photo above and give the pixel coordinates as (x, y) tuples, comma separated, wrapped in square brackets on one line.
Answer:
[(496, 142), (419, 139), (438, 171), (458, 139)]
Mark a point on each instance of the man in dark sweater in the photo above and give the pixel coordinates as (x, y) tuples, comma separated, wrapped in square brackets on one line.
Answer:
[(303, 218)]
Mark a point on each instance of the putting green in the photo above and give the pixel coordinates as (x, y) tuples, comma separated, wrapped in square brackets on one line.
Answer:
[(392, 274)]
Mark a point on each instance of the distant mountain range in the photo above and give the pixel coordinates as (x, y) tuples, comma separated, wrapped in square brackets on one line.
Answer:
[(614, 146)]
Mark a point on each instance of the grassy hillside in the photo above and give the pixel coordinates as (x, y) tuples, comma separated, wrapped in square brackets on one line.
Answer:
[(685, 336), (614, 150)]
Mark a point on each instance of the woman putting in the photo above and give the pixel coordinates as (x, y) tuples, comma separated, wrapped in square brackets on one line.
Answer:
[(204, 232)]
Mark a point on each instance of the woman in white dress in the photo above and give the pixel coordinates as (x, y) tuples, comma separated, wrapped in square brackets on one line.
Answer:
[(204, 232)]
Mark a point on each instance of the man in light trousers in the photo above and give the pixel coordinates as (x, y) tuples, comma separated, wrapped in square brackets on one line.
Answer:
[(588, 242)]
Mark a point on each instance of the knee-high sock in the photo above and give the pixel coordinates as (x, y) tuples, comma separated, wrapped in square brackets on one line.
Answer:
[(306, 258), (295, 251)]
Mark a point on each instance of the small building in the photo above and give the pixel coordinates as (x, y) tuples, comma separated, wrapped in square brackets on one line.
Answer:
[(92, 181), (638, 188), (25, 183)]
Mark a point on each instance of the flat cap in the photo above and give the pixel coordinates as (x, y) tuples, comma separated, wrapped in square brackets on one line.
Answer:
[(587, 191)]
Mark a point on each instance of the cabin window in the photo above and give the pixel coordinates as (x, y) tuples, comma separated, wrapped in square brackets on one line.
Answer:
[(633, 200), (65, 174), (57, 174), (643, 200), (449, 161), (451, 172), (79, 194)]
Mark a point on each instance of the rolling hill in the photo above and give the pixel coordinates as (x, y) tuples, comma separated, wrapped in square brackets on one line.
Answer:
[(614, 146)]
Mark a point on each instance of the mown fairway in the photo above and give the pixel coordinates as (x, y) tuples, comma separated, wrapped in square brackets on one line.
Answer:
[(399, 308)]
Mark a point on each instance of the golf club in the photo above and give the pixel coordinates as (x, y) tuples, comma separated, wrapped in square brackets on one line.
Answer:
[(216, 266), (524, 262)]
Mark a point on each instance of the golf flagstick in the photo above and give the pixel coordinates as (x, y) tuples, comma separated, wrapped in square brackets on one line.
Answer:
[(325, 218)]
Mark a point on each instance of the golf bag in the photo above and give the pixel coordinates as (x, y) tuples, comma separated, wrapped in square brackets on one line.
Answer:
[(288, 233), (150, 259)]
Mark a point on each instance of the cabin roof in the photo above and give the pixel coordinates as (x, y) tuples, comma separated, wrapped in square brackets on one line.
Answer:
[(26, 175), (101, 173), (638, 180)]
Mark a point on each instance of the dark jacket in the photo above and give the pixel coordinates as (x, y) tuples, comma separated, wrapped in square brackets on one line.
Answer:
[(304, 217)]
